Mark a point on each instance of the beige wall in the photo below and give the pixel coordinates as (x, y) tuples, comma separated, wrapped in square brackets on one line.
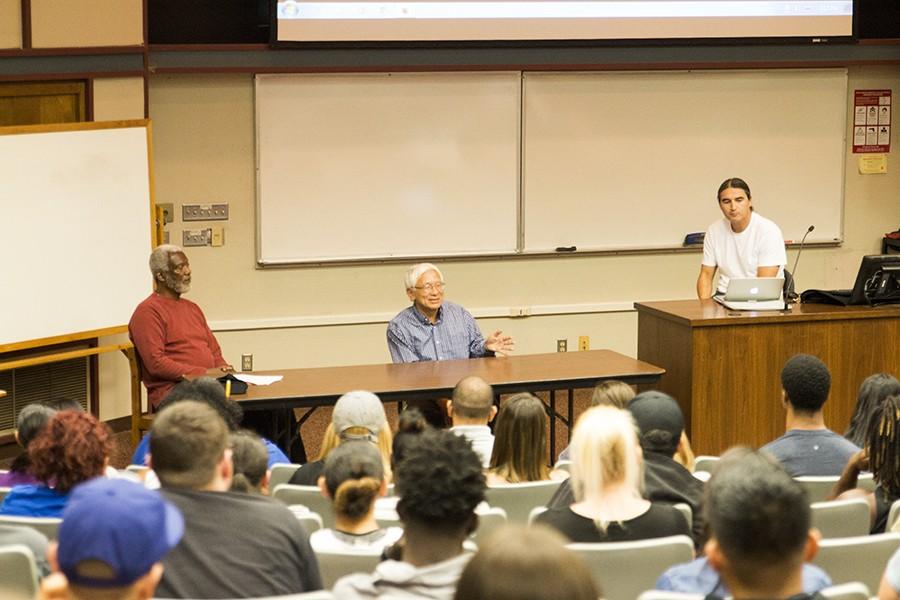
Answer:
[(203, 146), (84, 23), (117, 98), (10, 24)]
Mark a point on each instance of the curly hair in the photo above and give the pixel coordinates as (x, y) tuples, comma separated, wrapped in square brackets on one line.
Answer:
[(73, 447), (440, 482), (874, 389), (208, 391), (806, 382), (884, 445)]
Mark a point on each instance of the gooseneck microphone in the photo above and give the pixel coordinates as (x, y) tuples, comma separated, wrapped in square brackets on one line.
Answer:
[(791, 295)]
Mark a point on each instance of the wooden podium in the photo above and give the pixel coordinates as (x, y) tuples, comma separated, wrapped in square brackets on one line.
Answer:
[(724, 366)]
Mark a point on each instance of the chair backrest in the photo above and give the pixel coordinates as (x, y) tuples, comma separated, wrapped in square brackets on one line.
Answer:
[(281, 473), (334, 565), (841, 518), (893, 514), (563, 465), (49, 526), (685, 509), (846, 591), (535, 512), (705, 463), (18, 573), (517, 499), (818, 488), (309, 496), (625, 569), (309, 521), (663, 595), (489, 519), (861, 558)]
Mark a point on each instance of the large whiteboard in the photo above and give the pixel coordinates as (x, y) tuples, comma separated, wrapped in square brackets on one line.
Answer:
[(633, 160), (76, 233), (386, 165)]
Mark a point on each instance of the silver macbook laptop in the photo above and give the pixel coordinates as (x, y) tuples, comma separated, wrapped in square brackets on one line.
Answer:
[(753, 293)]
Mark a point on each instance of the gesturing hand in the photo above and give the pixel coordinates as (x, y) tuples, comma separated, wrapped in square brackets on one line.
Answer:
[(499, 344)]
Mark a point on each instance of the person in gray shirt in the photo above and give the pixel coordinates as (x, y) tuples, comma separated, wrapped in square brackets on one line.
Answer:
[(807, 446)]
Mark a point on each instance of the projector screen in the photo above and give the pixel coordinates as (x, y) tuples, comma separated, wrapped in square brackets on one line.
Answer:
[(546, 20)]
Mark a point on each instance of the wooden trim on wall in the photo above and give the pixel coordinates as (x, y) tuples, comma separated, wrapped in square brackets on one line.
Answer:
[(70, 76), (89, 99), (26, 24), (73, 51), (146, 62)]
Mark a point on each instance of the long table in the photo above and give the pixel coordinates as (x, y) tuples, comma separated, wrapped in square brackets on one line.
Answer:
[(314, 387), (724, 366)]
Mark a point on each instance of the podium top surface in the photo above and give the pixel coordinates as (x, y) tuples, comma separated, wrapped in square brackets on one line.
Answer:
[(704, 313)]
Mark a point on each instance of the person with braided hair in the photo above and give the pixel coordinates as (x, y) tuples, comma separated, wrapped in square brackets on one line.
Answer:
[(353, 479), (881, 456)]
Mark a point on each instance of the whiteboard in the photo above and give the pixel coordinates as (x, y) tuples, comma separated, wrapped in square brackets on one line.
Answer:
[(76, 205), (384, 165), (633, 160)]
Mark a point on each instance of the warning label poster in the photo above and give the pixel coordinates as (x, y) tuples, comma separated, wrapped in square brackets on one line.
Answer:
[(871, 121)]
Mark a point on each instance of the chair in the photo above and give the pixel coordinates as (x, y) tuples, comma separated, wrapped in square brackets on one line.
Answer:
[(517, 499), (334, 565), (705, 463), (686, 510), (309, 521), (625, 569), (841, 518), (846, 591), (309, 496), (489, 520), (861, 558), (18, 573), (819, 488), (535, 512), (49, 526), (281, 473), (140, 421), (893, 514), (564, 465)]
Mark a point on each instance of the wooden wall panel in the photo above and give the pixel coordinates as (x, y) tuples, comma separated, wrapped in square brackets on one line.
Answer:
[(10, 24), (86, 23), (42, 103), (118, 98)]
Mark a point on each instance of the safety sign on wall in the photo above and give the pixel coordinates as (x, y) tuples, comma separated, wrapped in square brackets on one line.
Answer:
[(871, 121)]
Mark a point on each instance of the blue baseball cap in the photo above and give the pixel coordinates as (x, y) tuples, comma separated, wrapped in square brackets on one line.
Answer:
[(119, 524)]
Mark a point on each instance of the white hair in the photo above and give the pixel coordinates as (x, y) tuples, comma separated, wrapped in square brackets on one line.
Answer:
[(605, 450), (416, 271), (159, 258)]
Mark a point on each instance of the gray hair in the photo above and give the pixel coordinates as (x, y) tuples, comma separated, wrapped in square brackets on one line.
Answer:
[(159, 258), (416, 271)]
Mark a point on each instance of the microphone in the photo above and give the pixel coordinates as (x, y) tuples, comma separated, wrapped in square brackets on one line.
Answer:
[(790, 295)]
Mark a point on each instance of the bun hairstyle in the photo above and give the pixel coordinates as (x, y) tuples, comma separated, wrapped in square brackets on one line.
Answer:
[(354, 474)]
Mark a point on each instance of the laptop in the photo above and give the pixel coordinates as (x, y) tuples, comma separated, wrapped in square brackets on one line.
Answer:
[(753, 293)]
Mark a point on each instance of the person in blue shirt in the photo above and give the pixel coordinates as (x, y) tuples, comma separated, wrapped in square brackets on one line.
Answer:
[(209, 391)]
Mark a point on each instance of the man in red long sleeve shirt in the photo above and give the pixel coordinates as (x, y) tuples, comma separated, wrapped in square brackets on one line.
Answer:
[(170, 333)]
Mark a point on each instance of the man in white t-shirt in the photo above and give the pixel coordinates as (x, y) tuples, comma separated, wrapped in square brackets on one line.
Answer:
[(743, 244)]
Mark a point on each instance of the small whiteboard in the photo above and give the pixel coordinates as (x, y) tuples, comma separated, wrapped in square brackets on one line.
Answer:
[(386, 165), (618, 161), (77, 231)]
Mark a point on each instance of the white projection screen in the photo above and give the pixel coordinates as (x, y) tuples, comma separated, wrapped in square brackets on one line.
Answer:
[(544, 20)]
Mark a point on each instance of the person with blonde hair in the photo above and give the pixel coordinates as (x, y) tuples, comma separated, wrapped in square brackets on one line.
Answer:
[(357, 415), (353, 479), (606, 481), (520, 443), (611, 392)]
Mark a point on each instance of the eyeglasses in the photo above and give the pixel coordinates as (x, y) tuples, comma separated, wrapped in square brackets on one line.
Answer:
[(437, 286)]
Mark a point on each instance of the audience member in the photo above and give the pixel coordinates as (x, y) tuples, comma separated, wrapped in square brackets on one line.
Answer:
[(521, 443), (357, 415), (607, 393), (874, 389), (113, 536), (31, 420), (890, 581), (526, 564), (235, 545), (759, 520), (881, 456), (808, 447), (210, 391), (410, 424), (471, 409), (250, 460), (661, 428), (353, 479), (606, 479), (440, 482), (71, 448)]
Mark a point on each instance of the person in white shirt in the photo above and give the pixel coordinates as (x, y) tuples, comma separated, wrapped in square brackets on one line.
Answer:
[(471, 409), (743, 244)]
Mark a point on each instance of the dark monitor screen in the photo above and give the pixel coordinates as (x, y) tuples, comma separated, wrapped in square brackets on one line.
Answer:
[(865, 277)]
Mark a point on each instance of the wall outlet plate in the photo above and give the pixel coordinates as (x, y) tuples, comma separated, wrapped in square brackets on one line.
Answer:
[(204, 212), (584, 342), (195, 237), (246, 362), (562, 345)]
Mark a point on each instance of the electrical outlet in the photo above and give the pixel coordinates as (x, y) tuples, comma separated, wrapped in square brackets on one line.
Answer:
[(204, 212), (584, 342), (217, 237), (246, 362), (195, 237), (562, 345)]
